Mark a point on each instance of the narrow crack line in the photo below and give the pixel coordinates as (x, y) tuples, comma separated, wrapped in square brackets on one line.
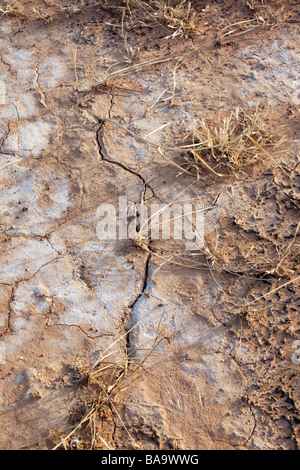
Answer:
[(5, 137), (254, 419), (8, 328), (37, 271), (51, 244), (111, 105), (41, 267), (40, 91), (5, 63), (115, 426), (247, 400), (14, 287), (114, 162), (83, 189), (17, 112), (10, 310), (128, 316), (145, 282), (6, 284), (104, 158), (81, 329), (40, 237), (126, 319)]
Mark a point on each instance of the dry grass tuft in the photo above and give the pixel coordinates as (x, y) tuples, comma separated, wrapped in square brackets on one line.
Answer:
[(179, 16), (239, 140)]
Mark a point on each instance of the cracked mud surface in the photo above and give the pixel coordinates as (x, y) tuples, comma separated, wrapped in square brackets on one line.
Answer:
[(224, 377)]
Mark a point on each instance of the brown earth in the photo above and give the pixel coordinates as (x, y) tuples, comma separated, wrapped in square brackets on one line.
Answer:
[(215, 333)]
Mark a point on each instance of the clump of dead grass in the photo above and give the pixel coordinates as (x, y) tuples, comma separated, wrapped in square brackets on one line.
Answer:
[(239, 140), (179, 16)]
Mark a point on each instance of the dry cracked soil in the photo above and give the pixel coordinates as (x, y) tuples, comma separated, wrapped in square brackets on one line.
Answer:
[(139, 342)]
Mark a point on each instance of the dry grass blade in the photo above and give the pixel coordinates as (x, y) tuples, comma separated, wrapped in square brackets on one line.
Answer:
[(10, 163), (268, 155), (273, 290), (8, 8), (265, 17), (172, 162), (241, 27), (134, 68), (206, 164)]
